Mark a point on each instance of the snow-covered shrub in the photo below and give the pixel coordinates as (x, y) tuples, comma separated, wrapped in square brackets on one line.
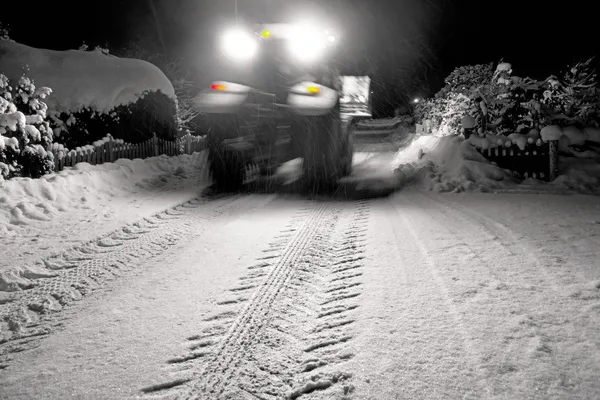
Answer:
[(181, 77), (463, 80), (508, 103), (574, 99), (153, 112), (95, 93), (25, 133), (456, 106), (445, 110), (504, 104), (430, 112)]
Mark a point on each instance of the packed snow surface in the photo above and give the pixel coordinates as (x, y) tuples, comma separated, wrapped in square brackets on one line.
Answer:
[(42, 216), (419, 295), (83, 79)]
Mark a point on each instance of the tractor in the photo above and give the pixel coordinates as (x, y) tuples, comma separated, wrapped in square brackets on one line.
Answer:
[(279, 99)]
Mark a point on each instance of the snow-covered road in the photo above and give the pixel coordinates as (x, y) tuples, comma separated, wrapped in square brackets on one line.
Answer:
[(415, 295)]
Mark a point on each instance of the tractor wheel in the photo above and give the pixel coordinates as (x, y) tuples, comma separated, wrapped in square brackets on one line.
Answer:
[(321, 147), (348, 150), (226, 165)]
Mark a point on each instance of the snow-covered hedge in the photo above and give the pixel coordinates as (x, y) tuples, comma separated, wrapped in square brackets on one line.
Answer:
[(182, 78), (504, 104), (136, 122), (95, 93), (25, 133)]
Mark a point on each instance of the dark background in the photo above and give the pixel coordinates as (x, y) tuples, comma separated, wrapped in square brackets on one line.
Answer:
[(407, 46)]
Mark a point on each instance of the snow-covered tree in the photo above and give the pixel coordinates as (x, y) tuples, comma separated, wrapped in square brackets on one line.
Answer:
[(25, 133)]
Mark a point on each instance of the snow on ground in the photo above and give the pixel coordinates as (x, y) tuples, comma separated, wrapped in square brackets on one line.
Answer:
[(83, 79), (483, 296), (39, 217), (42, 217), (450, 164), (419, 295)]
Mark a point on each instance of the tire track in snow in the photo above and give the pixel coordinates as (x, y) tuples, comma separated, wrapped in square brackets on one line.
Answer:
[(80, 270), (290, 335), (312, 323)]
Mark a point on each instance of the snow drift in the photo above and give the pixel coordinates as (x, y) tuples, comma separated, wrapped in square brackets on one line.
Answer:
[(83, 79), (448, 164), (40, 217), (451, 164)]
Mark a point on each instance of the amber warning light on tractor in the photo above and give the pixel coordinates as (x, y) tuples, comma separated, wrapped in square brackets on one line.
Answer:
[(313, 89), (266, 34), (216, 86)]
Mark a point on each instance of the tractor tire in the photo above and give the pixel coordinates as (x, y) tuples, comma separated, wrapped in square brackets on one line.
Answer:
[(226, 166), (321, 146), (348, 151)]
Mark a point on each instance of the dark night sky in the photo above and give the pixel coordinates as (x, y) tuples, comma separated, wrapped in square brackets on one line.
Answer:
[(408, 46)]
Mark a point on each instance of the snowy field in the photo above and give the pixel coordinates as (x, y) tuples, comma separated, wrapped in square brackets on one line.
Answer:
[(146, 289)]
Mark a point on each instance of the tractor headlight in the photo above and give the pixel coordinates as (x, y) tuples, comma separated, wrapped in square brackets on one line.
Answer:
[(239, 44), (307, 44)]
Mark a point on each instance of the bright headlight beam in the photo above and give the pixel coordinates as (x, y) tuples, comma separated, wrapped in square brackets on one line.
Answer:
[(239, 45), (306, 43)]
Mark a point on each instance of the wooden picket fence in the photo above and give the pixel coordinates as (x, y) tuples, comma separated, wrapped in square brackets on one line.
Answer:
[(535, 161), (112, 150)]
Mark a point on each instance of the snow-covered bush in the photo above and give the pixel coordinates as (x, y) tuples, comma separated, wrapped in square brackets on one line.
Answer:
[(25, 133), (504, 104), (95, 93), (430, 112), (463, 80), (152, 113), (181, 77), (507, 103), (445, 110), (456, 106), (575, 98)]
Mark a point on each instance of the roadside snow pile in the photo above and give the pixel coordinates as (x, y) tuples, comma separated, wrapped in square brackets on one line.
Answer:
[(451, 164), (448, 164), (576, 175), (579, 161), (25, 201), (39, 217), (83, 79)]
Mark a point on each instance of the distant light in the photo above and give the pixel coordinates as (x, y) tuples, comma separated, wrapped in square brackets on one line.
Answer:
[(416, 100), (331, 38)]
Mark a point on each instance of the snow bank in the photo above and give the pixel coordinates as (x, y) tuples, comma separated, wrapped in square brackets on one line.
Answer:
[(83, 79), (448, 164), (578, 175), (39, 217)]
